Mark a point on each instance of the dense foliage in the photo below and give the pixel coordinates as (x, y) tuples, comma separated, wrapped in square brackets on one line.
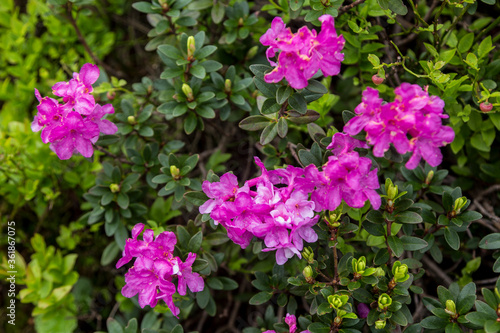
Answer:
[(231, 166)]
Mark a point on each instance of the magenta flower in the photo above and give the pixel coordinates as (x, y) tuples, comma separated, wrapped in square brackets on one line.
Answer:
[(291, 321), (73, 127), (73, 133), (411, 123), (302, 54), (155, 269)]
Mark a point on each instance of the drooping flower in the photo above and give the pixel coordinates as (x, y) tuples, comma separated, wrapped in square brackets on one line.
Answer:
[(304, 53)]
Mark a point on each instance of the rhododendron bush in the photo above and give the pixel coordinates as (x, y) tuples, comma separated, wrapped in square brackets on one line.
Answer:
[(292, 166)]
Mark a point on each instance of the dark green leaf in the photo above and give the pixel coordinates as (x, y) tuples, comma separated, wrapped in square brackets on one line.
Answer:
[(413, 243), (254, 123), (268, 134), (260, 298)]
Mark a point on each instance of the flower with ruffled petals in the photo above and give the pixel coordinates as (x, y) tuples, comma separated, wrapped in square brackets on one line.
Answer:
[(302, 54)]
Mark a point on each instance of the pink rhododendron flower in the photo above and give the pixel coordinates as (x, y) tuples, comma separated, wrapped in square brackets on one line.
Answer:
[(411, 123), (279, 205), (75, 125), (291, 321), (155, 268), (304, 53)]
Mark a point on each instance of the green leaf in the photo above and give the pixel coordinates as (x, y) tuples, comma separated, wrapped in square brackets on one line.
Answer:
[(146, 132), (131, 326), (398, 7), (170, 51), (270, 106), (211, 65), (190, 123), (453, 328), (396, 245), (216, 238), (198, 71), (309, 117), (218, 11), (452, 238), (433, 322), (282, 127), (316, 87), (465, 42), (113, 326), (298, 103), (485, 47), (490, 242), (318, 327), (204, 52), (196, 198), (411, 243), (268, 134), (408, 217), (195, 242), (260, 298), (375, 216), (267, 89), (203, 297), (123, 200), (324, 308), (143, 7), (283, 93), (109, 254), (254, 123)]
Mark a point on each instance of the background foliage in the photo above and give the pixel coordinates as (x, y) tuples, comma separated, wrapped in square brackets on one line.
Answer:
[(73, 217)]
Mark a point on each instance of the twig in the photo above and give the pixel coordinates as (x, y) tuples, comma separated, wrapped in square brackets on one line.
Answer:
[(437, 271), (352, 5), (82, 39), (110, 154)]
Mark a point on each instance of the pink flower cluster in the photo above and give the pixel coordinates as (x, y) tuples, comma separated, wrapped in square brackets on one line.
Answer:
[(279, 206), (75, 125), (291, 321), (346, 176), (412, 123), (303, 53), (155, 267)]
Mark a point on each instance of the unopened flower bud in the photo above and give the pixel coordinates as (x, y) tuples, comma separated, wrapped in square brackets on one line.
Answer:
[(175, 171), (377, 79), (252, 52), (379, 272), (308, 254), (459, 204), (392, 191), (111, 95), (114, 188), (359, 265), (429, 177), (131, 120), (227, 86), (451, 309), (384, 301), (400, 272), (486, 107), (191, 47), (308, 274), (240, 22), (380, 324), (186, 89), (337, 301)]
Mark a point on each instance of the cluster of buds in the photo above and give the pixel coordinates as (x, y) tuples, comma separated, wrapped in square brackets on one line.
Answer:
[(359, 268), (392, 194), (400, 274)]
